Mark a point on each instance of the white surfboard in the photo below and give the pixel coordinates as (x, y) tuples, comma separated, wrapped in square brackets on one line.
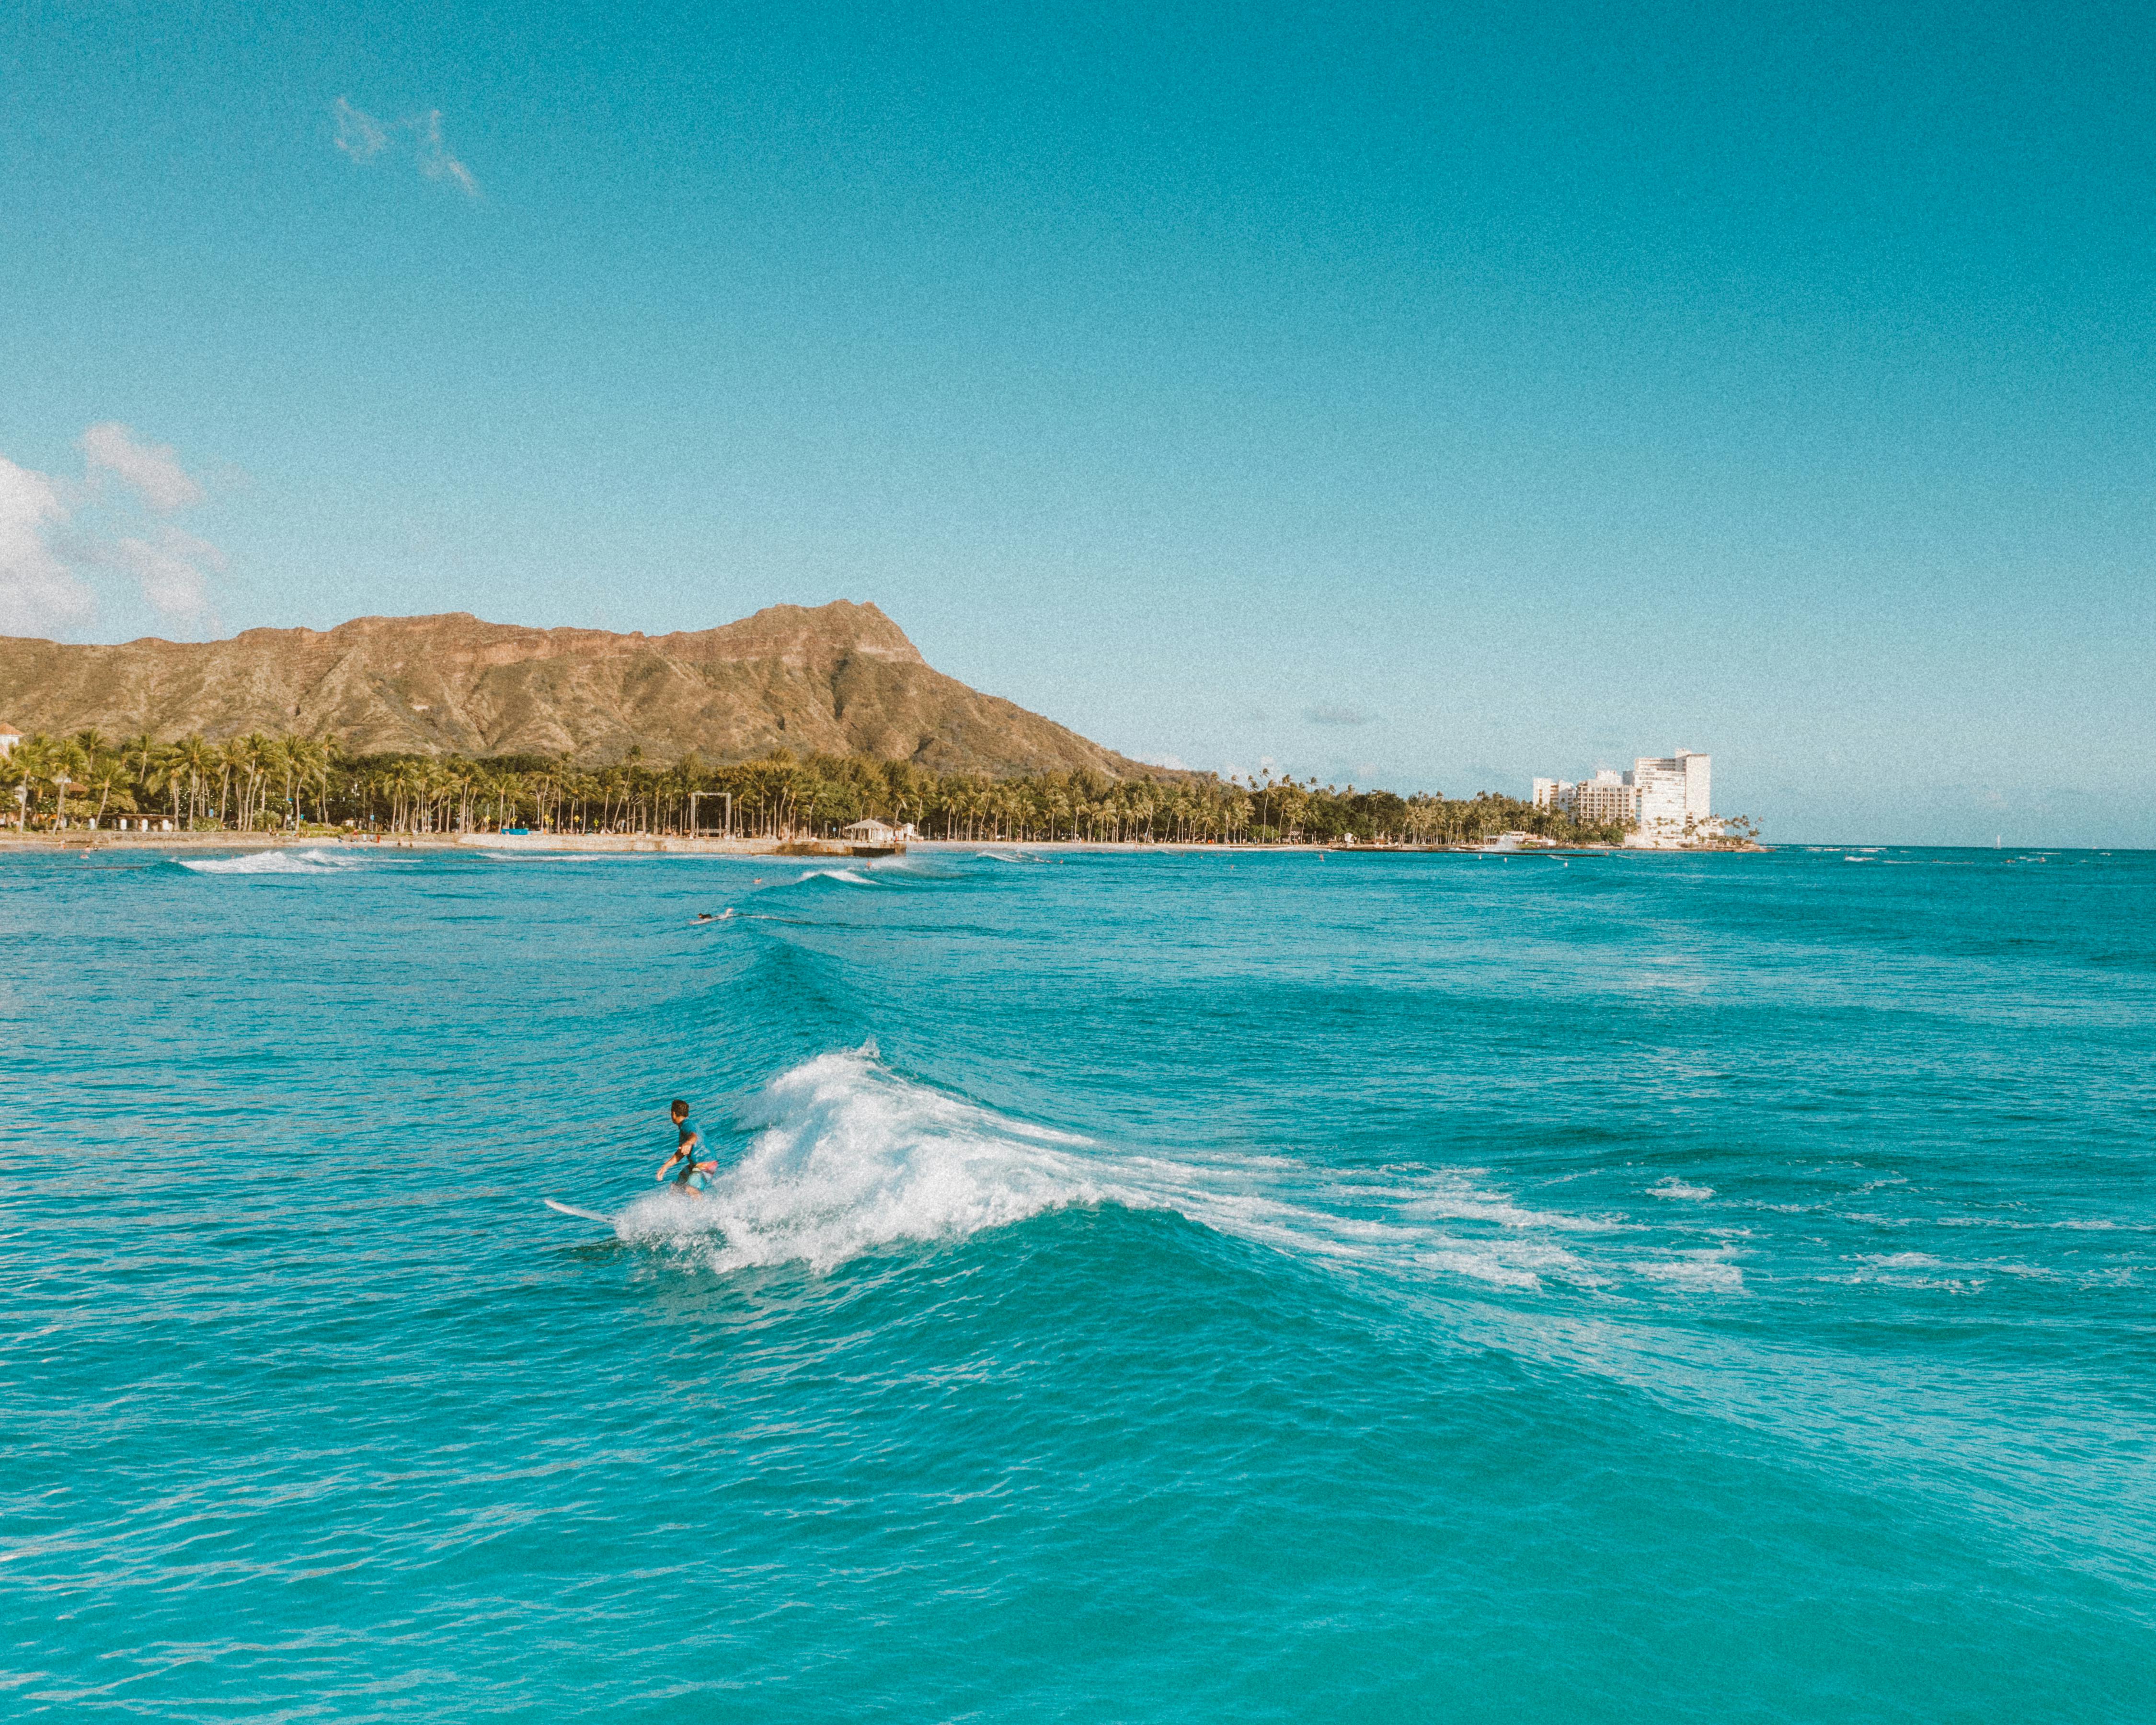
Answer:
[(570, 1209)]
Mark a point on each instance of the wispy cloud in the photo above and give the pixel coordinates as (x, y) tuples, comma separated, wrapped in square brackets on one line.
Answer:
[(435, 161), (153, 470), (363, 137), (38, 592), (171, 567), (359, 135), (53, 531), (1338, 715)]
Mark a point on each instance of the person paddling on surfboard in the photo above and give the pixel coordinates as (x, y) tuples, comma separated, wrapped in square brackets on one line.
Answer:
[(689, 1174)]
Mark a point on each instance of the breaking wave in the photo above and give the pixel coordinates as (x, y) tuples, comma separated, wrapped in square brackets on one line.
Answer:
[(848, 1159), (849, 877), (272, 862)]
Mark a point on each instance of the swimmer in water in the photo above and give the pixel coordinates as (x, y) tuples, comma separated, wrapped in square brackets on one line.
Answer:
[(707, 917), (689, 1174)]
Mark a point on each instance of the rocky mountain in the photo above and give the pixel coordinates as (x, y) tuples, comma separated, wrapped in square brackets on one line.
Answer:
[(840, 678)]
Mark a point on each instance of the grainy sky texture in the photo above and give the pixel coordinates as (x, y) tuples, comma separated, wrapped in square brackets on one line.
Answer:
[(1431, 396)]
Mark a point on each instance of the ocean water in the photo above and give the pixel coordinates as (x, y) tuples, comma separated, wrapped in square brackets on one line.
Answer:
[(1136, 1287)]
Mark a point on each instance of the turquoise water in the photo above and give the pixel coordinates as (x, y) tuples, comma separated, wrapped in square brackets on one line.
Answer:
[(1159, 1288)]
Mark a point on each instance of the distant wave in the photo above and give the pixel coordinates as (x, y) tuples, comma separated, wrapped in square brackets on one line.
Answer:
[(272, 862), (911, 868), (851, 877), (883, 871)]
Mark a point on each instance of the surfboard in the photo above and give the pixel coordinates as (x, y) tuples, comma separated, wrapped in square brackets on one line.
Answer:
[(570, 1209)]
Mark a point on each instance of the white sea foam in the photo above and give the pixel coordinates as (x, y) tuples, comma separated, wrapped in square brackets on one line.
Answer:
[(1453, 1197), (1482, 1266), (273, 862), (1709, 1270), (849, 1159), (1672, 1187), (917, 868), (851, 877), (1511, 1264)]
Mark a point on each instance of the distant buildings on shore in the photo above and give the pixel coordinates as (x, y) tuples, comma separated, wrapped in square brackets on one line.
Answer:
[(1665, 801)]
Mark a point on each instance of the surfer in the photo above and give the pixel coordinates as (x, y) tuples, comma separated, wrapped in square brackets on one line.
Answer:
[(690, 1174)]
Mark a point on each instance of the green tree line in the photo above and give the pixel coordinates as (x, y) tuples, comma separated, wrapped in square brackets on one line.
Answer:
[(262, 784)]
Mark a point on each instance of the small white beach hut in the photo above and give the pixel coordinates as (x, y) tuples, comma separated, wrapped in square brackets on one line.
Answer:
[(870, 831)]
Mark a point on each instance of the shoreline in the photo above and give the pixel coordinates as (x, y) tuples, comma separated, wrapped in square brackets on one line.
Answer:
[(677, 845)]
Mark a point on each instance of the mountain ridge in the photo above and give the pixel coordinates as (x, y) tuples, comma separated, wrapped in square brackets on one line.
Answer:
[(840, 678)]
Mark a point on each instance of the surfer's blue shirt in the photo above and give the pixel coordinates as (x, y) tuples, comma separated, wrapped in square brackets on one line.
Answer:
[(691, 1140)]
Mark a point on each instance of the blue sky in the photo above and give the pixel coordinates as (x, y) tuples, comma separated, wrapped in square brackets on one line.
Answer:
[(1434, 397)]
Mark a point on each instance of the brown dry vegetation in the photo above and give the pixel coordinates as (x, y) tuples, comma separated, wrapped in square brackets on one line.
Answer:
[(840, 678)]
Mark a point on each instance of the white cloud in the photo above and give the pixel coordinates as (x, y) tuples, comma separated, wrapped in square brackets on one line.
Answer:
[(359, 134), (153, 470), (37, 593), (1336, 716), (171, 567), (51, 532), (1174, 763), (363, 137), (435, 161)]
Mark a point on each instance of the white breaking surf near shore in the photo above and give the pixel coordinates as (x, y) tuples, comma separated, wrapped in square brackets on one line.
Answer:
[(273, 862)]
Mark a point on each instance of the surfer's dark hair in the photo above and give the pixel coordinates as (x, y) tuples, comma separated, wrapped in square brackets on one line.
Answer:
[(678, 1106)]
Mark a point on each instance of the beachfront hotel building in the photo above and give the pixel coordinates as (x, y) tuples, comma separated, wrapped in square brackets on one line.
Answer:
[(1610, 795), (1665, 800), (1674, 795)]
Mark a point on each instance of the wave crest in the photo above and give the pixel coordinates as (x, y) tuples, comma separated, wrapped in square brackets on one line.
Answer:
[(849, 1159), (271, 862)]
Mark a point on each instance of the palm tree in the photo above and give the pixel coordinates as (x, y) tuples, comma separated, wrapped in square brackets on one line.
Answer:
[(107, 774), (311, 762), (163, 768), (281, 759), (141, 753), (195, 758), (34, 759)]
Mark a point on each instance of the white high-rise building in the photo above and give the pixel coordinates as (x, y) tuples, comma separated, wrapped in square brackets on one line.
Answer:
[(1665, 799), (1675, 796)]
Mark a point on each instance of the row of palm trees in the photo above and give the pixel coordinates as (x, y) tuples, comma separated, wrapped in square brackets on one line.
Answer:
[(244, 783), (258, 782)]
